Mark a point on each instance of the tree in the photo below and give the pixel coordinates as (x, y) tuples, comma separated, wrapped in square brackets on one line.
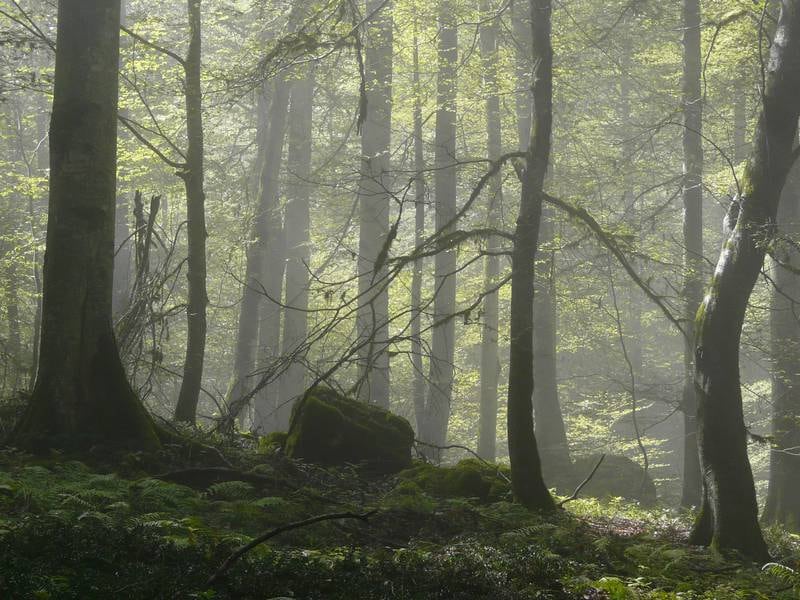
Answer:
[(440, 389), (298, 243), (374, 204), (692, 237), (490, 362), (82, 396), (783, 497), (728, 516), (193, 177), (526, 470)]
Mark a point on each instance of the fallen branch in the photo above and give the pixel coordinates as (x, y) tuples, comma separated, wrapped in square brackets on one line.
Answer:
[(583, 483), (239, 552)]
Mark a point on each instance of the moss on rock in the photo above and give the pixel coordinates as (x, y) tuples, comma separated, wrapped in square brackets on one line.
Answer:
[(470, 478), (331, 429), (618, 477)]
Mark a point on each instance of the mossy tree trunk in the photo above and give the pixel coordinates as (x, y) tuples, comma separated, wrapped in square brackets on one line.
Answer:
[(82, 396), (729, 512), (193, 177), (526, 470)]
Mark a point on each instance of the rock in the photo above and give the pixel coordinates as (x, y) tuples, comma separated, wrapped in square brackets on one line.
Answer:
[(330, 429), (470, 478), (618, 476)]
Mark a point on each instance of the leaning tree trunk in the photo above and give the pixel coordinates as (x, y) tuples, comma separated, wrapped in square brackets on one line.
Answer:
[(729, 512), (526, 471), (490, 362), (440, 390), (193, 175), (692, 238), (374, 197), (82, 396), (298, 242), (783, 498)]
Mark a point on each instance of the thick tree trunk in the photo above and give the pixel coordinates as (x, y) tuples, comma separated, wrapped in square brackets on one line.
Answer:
[(729, 513), (783, 498), (692, 238), (122, 259), (298, 243), (193, 176), (490, 362), (82, 396), (419, 233), (440, 390), (526, 472), (374, 205)]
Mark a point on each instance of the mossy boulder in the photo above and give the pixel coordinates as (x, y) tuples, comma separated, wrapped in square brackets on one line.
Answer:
[(618, 476), (470, 478), (330, 429)]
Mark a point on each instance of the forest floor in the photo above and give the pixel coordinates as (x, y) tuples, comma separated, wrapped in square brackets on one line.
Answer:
[(160, 527)]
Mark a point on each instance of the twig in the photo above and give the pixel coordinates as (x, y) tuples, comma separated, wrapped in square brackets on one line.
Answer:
[(583, 483), (241, 551)]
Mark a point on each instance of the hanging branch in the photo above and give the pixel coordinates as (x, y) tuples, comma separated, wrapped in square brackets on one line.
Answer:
[(583, 484)]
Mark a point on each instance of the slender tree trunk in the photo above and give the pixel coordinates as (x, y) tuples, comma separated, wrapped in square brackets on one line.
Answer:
[(729, 512), (82, 396), (549, 422), (193, 176), (440, 389), (298, 242), (741, 148), (419, 233), (374, 206), (526, 472), (490, 362), (271, 141), (692, 238), (783, 498)]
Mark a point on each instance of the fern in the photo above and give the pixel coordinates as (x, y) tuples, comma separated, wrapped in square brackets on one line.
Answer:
[(783, 573), (231, 490)]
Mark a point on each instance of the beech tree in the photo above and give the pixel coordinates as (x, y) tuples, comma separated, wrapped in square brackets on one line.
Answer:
[(729, 513), (82, 396)]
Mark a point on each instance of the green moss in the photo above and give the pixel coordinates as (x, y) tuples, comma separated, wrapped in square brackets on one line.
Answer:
[(470, 478), (328, 428)]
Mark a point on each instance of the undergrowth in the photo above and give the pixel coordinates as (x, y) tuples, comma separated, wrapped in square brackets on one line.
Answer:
[(68, 531)]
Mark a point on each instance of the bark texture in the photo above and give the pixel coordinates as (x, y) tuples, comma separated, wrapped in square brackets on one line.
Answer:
[(729, 512), (82, 396), (193, 177), (526, 471)]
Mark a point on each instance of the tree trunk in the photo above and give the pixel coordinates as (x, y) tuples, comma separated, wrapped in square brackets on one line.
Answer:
[(526, 472), (440, 390), (729, 512), (692, 239), (490, 362), (298, 243), (783, 498), (82, 396), (419, 233), (270, 150), (186, 409), (374, 206)]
